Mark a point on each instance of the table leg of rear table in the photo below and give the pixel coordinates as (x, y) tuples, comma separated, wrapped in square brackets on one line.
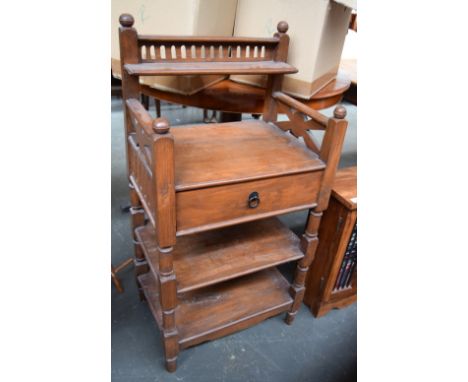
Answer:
[(230, 117)]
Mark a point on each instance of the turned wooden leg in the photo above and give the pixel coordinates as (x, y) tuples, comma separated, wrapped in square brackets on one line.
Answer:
[(145, 101), (207, 118), (309, 242), (171, 350), (230, 117), (157, 103), (168, 300)]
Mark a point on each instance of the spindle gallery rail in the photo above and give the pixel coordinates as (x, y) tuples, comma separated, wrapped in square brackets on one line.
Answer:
[(187, 55), (203, 49)]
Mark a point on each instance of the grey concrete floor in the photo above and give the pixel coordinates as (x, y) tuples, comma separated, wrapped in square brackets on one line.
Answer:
[(322, 350)]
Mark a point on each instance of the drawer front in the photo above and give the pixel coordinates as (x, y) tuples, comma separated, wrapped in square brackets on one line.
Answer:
[(208, 208)]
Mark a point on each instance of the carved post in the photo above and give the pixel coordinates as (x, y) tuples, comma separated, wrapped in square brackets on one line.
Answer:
[(330, 153), (163, 160), (128, 40), (275, 81)]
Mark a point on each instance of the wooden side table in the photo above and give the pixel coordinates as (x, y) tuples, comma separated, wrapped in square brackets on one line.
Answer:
[(233, 98), (349, 67), (332, 279)]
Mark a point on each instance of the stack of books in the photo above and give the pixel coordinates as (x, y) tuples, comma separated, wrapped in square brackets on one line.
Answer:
[(348, 266)]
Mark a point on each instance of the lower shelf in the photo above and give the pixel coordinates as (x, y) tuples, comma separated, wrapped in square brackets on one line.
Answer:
[(216, 311)]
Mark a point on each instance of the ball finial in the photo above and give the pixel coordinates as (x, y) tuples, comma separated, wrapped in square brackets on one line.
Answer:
[(126, 20), (161, 125), (339, 112), (282, 27)]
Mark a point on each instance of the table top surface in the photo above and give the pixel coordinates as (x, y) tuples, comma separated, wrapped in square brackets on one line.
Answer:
[(345, 187), (237, 151)]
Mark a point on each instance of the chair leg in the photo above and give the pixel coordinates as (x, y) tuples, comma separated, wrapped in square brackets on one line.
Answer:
[(123, 264), (116, 270), (157, 103), (116, 280), (230, 117), (145, 101), (207, 118)]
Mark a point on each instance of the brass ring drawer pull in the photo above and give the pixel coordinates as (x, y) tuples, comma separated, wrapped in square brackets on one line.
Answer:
[(254, 200)]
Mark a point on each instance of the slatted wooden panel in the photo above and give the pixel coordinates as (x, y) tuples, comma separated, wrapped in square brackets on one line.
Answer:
[(201, 50), (142, 178), (140, 144)]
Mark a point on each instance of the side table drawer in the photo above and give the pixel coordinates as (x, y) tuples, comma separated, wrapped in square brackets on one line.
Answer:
[(219, 206)]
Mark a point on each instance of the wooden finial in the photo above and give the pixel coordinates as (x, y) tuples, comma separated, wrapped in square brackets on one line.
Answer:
[(126, 20), (339, 112), (161, 125), (282, 27)]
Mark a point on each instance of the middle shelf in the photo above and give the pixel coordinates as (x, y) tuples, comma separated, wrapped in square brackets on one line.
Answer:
[(215, 256)]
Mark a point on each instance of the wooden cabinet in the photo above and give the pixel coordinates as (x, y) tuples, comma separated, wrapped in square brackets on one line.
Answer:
[(332, 281), (205, 197)]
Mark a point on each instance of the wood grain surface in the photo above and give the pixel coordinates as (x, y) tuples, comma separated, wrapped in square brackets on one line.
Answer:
[(215, 154), (200, 68), (212, 207), (219, 310), (345, 187), (219, 255)]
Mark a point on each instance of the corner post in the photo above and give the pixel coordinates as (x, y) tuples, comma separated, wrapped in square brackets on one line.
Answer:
[(275, 81), (128, 40), (164, 185), (330, 153)]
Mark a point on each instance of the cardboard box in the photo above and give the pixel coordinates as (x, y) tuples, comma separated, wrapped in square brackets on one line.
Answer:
[(317, 30), (170, 17), (348, 3)]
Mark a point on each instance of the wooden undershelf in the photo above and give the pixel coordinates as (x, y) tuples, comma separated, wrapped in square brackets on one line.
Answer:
[(214, 256), (171, 68), (220, 310)]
